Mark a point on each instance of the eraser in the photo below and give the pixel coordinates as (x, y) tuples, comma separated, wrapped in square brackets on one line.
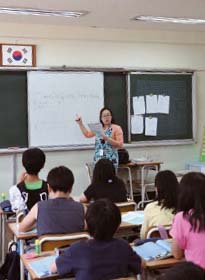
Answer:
[(31, 255)]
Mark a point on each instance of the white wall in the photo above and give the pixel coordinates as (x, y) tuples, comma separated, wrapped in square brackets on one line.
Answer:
[(60, 45)]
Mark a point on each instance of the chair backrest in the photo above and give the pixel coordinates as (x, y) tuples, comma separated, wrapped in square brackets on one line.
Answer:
[(89, 166), (126, 206), (51, 241), (155, 231), (142, 204), (19, 217)]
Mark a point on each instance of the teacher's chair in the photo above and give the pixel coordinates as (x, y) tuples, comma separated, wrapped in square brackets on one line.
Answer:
[(124, 172)]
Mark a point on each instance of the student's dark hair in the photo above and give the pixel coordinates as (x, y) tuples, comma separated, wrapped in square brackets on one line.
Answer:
[(104, 172), (103, 218), (183, 271), (60, 179), (192, 199), (33, 160), (167, 189), (100, 115)]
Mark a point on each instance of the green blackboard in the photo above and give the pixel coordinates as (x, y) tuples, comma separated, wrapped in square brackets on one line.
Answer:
[(115, 98), (176, 125), (119, 88), (13, 109)]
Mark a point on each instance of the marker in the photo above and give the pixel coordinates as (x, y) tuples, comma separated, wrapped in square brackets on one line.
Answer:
[(77, 118)]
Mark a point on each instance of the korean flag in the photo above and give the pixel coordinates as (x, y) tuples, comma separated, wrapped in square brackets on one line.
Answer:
[(16, 55)]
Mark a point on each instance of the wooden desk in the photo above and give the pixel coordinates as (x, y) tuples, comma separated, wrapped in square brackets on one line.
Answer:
[(32, 274), (3, 220), (150, 265), (156, 264), (21, 237), (142, 166), (163, 263), (125, 229)]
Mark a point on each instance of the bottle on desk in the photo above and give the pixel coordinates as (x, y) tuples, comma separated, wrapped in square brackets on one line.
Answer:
[(3, 196), (37, 247)]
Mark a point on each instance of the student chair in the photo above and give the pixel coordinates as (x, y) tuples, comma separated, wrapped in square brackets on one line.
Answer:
[(143, 204), (121, 170), (126, 206), (89, 167), (19, 217), (155, 231), (51, 241)]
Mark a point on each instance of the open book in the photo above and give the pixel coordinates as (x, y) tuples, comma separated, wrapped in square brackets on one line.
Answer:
[(41, 266), (160, 249)]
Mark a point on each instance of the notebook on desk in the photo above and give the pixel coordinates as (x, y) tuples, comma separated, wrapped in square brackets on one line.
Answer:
[(160, 249), (133, 217), (41, 266)]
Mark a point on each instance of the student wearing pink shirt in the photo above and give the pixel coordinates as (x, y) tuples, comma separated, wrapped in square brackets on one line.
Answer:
[(109, 141), (188, 229)]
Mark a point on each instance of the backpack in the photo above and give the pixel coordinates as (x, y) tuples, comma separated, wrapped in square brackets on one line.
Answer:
[(11, 267), (6, 206), (123, 156)]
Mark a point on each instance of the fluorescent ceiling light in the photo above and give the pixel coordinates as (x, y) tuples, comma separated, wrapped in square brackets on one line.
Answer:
[(37, 12), (170, 20)]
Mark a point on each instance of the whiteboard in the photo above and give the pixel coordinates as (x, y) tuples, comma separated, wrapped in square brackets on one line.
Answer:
[(54, 99)]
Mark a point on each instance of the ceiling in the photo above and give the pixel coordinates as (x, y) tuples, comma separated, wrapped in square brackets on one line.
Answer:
[(111, 13)]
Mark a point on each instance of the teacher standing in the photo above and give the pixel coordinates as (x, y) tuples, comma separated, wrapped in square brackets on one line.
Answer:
[(109, 141)]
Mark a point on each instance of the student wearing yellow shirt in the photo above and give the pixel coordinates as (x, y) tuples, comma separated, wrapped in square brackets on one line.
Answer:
[(161, 211)]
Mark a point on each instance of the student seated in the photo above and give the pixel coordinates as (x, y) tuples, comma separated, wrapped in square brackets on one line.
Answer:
[(105, 184), (102, 257), (183, 271), (161, 211), (59, 214), (31, 188), (188, 229)]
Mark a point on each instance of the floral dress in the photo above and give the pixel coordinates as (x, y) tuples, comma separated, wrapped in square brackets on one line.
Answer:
[(103, 149)]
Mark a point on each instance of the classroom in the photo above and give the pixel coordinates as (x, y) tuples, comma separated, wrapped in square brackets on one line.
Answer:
[(105, 39), (110, 56)]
